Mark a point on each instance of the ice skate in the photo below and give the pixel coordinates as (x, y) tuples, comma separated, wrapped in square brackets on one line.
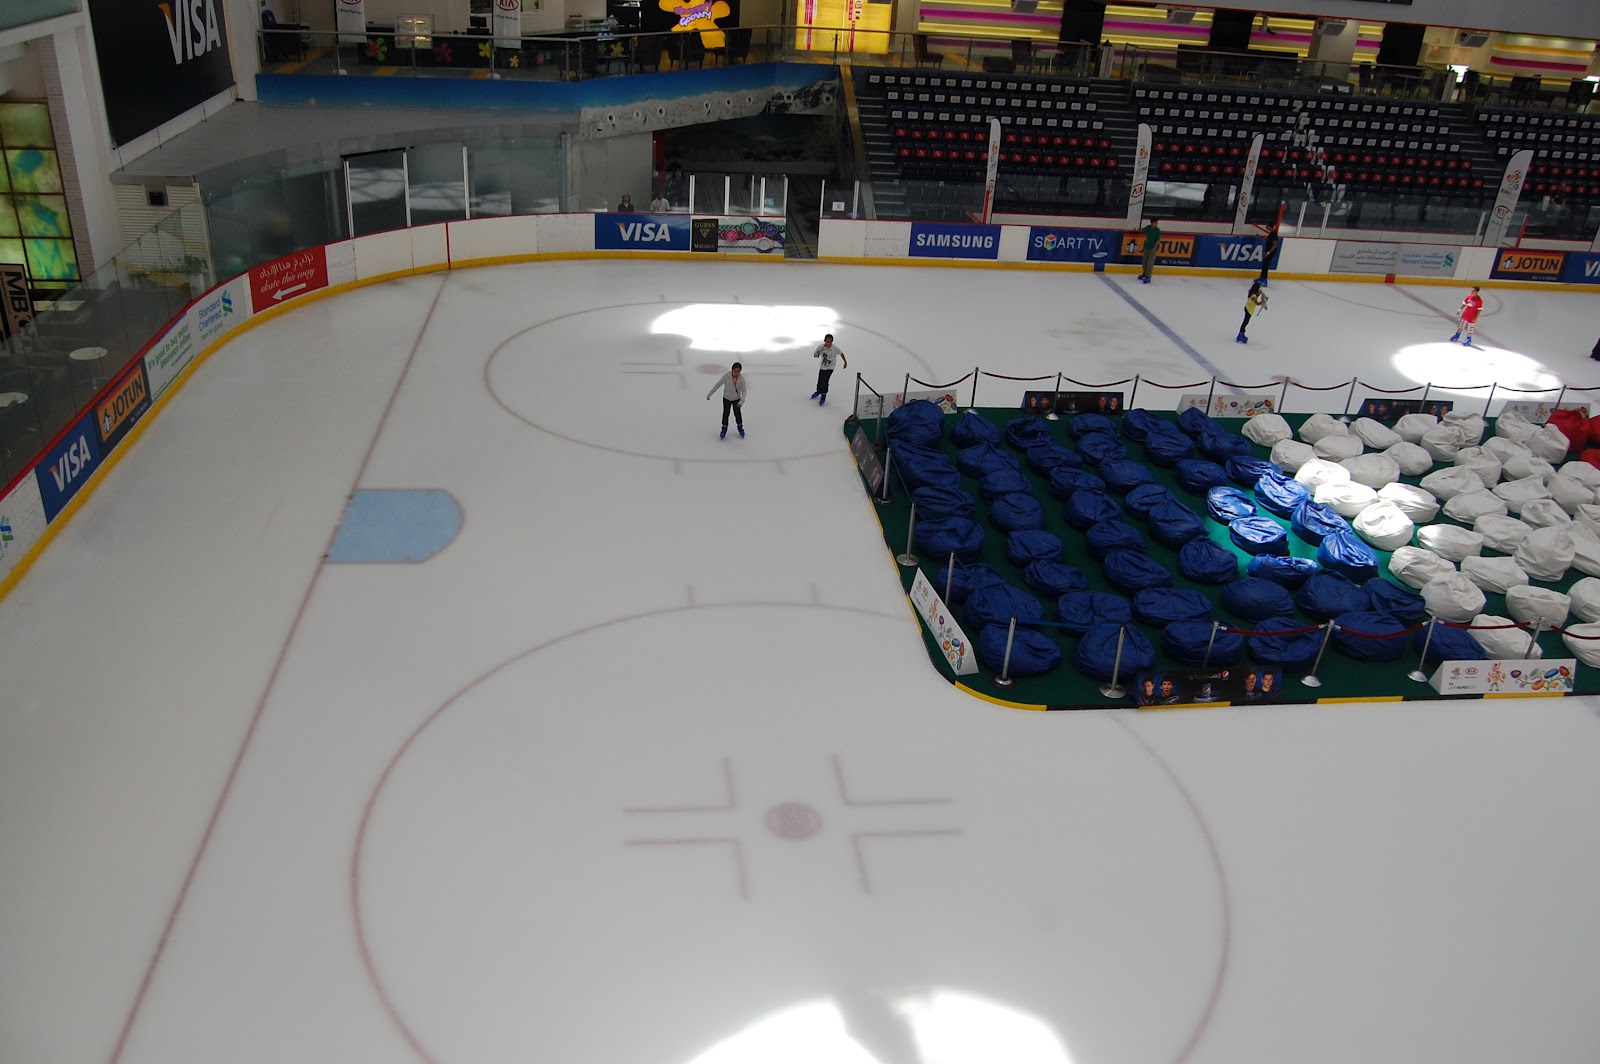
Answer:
[(822, 400), (815, 394), (724, 433), (1467, 342), (1241, 339), (1455, 336), (741, 432)]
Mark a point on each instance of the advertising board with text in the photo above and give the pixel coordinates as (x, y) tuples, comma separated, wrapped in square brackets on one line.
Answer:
[(274, 283), (934, 240), (1520, 264), (22, 522), (1175, 249), (954, 646), (123, 405), (1532, 676), (68, 465), (1050, 244), (1403, 260), (642, 232)]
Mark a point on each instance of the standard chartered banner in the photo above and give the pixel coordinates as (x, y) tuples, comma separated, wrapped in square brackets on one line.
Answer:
[(22, 522), (1408, 260)]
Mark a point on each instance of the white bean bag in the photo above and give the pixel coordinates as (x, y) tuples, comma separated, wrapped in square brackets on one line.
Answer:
[(1494, 575), (1519, 466), (1373, 470), (1290, 455), (1588, 514), (1347, 498), (1585, 548), (1472, 424), (1499, 640), (1412, 459), (1384, 525), (1413, 427), (1471, 505), (1337, 448), (1582, 472), (1518, 493), (1514, 426), (1584, 642), (1542, 513), (1585, 596), (1481, 462), (1453, 597), (1319, 425), (1549, 443), (1375, 434), (1415, 567), (1538, 605), (1450, 542), (1444, 442), (1501, 533), (1417, 504), (1445, 484), (1570, 493), (1546, 554), (1321, 471), (1266, 429), (1505, 449)]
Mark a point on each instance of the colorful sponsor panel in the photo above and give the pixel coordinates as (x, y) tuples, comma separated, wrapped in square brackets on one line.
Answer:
[(641, 232), (122, 406), (1521, 264), (219, 311), (954, 645), (871, 405), (1539, 412), (287, 278), (1532, 676), (751, 236), (1582, 267), (1388, 411), (933, 240), (167, 357), (22, 523), (1405, 260), (1244, 685), (1175, 249), (1072, 402), (1050, 244), (1228, 405), (66, 466), (867, 462)]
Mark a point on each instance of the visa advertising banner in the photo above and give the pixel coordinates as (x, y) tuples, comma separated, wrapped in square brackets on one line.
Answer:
[(1582, 267), (932, 240), (1230, 252), (68, 465), (157, 60), (1520, 264), (641, 232), (1049, 244)]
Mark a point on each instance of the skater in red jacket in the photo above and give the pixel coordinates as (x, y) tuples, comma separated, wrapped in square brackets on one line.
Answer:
[(1469, 317)]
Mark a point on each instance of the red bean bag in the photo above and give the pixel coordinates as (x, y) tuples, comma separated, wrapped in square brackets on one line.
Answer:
[(1592, 456), (1573, 425)]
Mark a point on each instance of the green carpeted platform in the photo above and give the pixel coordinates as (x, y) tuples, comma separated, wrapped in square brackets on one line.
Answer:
[(1343, 678)]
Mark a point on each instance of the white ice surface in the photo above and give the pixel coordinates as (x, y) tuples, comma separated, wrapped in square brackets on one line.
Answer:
[(650, 766)]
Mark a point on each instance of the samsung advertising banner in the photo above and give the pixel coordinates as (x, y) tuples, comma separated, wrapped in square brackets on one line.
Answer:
[(1505, 201), (1050, 244), (1141, 176), (508, 23), (934, 240), (157, 60)]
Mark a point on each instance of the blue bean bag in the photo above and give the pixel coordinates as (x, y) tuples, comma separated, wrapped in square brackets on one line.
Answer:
[(919, 421), (1199, 476), (1130, 570), (1052, 579), (919, 468), (971, 427), (1101, 447), (1081, 610), (944, 536), (1281, 569), (1401, 603), (1167, 449), (980, 458), (1122, 475), (1033, 545), (1245, 471), (1281, 495), (1107, 536), (1161, 606), (1258, 535), (1025, 432), (1141, 500), (1173, 524), (935, 502), (1225, 505), (1292, 653), (1345, 553), (1194, 421), (997, 605), (1447, 644), (1064, 480), (1186, 642), (1326, 595), (1047, 456), (1313, 522), (1207, 562), (1254, 599), (1220, 445), (968, 578), (1015, 512), (1087, 508), (1096, 655), (1362, 647), (1032, 653), (1139, 423), (1083, 424), (998, 482)]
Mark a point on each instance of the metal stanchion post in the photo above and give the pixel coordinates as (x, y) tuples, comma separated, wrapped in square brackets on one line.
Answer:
[(974, 403), (882, 498), (1055, 402), (1310, 679), (857, 404), (1426, 388), (1004, 679), (908, 559), (1348, 400), (1283, 395), (1210, 392), (1134, 393), (1560, 396), (949, 577), (877, 426), (905, 390), (1114, 689), (1417, 674), (1533, 640), (1492, 386), (1205, 662)]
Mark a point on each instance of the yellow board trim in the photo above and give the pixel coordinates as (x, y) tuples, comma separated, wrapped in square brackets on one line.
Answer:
[(1344, 701), (1000, 701)]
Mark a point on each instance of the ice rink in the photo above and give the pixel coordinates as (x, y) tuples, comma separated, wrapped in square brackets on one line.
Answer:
[(648, 765)]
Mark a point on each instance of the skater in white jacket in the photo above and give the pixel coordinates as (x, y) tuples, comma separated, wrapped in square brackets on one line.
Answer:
[(734, 389)]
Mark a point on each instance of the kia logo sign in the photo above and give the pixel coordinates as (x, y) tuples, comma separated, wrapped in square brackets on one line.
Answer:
[(350, 3), (509, 5)]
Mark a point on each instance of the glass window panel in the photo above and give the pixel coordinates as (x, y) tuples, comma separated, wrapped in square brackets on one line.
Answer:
[(11, 252), (52, 260), (5, 181), (8, 219), (33, 170), (25, 125), (377, 184), (43, 215), (437, 183)]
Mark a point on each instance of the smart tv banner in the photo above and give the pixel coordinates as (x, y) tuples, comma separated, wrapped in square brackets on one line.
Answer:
[(1403, 260), (1518, 264), (1049, 244), (68, 465), (157, 60), (932, 240), (642, 232)]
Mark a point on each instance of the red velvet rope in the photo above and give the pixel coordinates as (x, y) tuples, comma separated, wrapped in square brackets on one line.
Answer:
[(1330, 388), (1109, 384), (1384, 635), (1269, 384), (1535, 391), (952, 384), (1175, 387), (1291, 631), (1389, 391), (1005, 377)]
